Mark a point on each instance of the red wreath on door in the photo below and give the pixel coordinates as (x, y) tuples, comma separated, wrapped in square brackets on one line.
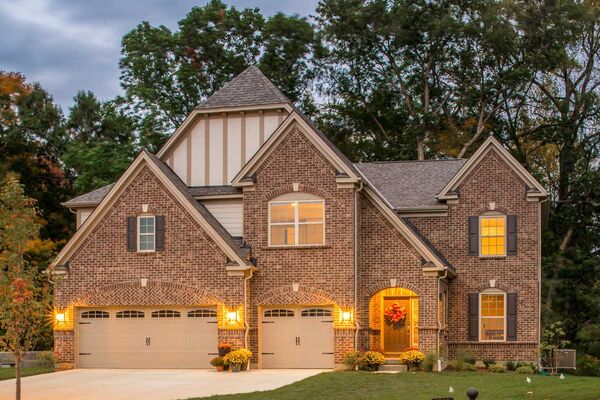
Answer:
[(395, 313)]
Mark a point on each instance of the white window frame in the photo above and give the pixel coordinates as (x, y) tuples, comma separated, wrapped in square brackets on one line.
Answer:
[(494, 215), (139, 234), (296, 223), (492, 292)]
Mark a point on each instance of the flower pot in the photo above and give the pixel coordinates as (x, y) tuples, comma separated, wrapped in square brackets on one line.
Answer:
[(235, 367), (220, 368)]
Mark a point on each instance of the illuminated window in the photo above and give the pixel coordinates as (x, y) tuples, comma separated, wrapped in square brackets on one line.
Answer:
[(146, 233), (492, 316), (492, 235), (297, 222)]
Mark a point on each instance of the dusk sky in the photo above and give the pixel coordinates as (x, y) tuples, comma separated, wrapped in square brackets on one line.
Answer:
[(70, 45)]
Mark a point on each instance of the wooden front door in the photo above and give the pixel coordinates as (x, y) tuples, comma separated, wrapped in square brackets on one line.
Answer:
[(396, 336)]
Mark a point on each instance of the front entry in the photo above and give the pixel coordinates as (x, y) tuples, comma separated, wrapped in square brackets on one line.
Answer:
[(396, 335)]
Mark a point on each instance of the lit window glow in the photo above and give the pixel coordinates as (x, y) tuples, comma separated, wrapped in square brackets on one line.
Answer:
[(297, 223), (492, 316), (492, 235)]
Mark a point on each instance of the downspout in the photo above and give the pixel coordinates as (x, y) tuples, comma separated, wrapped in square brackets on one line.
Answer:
[(540, 275), (356, 221), (439, 330), (246, 325)]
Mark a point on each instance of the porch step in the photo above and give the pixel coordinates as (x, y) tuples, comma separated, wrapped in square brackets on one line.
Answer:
[(392, 368), (392, 361)]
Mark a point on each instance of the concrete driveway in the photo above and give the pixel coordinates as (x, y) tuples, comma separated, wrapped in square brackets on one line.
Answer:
[(148, 384)]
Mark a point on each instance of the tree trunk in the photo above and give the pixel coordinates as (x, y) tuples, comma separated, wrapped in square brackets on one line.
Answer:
[(18, 376), (420, 148)]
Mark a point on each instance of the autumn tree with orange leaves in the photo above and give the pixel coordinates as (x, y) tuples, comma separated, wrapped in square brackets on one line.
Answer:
[(23, 300)]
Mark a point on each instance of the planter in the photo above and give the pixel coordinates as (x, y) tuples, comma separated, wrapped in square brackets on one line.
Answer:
[(235, 367), (220, 368)]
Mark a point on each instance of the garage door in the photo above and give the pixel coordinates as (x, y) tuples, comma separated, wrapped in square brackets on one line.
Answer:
[(297, 337), (141, 337)]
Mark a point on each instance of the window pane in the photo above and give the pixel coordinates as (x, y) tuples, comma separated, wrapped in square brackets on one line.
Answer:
[(310, 234), (492, 236), (282, 235), (282, 213), (147, 242), (492, 305), (492, 328), (147, 225), (310, 212)]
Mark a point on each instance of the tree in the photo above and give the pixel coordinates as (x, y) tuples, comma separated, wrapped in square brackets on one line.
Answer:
[(102, 142), (23, 301), (166, 74)]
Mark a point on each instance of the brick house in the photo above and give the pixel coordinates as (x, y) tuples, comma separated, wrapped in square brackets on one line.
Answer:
[(250, 227)]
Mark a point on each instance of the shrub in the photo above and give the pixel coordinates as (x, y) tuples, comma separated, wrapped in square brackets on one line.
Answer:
[(470, 367), (457, 365), (488, 362), (217, 362), (429, 362), (371, 360), (587, 365), (352, 359), (525, 369), (237, 357), (46, 359), (498, 368), (511, 365), (412, 357)]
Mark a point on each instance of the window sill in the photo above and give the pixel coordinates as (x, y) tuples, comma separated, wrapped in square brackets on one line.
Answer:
[(310, 247), (493, 257)]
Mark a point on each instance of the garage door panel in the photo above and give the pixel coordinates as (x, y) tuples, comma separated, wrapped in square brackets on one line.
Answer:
[(294, 338), (147, 342)]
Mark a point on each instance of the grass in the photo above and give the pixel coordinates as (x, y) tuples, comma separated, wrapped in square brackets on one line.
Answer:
[(426, 386), (9, 373)]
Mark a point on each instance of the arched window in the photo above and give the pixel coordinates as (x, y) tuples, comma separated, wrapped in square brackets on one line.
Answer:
[(297, 219), (202, 313), (279, 313), (492, 315), (94, 314), (316, 312), (130, 314), (166, 314)]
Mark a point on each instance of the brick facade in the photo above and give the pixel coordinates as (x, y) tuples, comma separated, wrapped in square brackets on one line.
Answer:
[(191, 270)]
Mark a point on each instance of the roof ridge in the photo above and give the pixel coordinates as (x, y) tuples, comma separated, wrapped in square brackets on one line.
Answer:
[(409, 161)]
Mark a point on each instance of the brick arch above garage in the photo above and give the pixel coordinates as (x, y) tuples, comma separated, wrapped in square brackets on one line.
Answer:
[(155, 293), (287, 295)]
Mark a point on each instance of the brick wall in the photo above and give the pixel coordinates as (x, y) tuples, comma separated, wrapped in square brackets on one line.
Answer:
[(491, 181), (190, 271), (325, 273)]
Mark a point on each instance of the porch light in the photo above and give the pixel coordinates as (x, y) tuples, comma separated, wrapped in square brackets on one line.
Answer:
[(59, 317), (232, 316), (346, 316)]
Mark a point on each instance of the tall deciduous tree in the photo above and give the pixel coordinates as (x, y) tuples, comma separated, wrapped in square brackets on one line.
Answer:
[(23, 301)]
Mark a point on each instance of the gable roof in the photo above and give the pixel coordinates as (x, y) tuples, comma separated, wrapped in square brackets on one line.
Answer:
[(250, 88), (171, 181), (90, 199), (317, 138), (534, 188), (411, 185)]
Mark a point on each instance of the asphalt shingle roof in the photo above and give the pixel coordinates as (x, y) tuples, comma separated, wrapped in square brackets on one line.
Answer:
[(249, 88), (91, 199), (408, 185)]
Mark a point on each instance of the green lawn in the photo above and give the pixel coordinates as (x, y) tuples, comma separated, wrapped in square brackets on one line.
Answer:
[(9, 373), (420, 385)]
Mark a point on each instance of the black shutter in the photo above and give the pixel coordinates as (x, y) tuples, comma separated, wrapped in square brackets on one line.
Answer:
[(511, 316), (473, 236), (131, 233), (511, 235), (474, 316), (160, 232)]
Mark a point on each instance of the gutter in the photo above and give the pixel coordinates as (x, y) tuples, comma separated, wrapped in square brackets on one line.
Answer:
[(356, 222), (246, 325)]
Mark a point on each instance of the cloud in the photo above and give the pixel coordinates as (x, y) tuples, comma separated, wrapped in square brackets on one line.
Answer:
[(71, 45)]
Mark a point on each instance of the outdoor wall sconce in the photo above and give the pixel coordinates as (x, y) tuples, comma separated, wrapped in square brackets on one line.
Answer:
[(59, 317), (346, 316), (232, 317)]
